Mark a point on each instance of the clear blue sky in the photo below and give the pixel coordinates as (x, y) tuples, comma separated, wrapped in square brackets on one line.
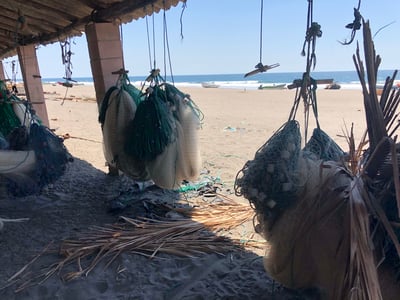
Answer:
[(222, 36)]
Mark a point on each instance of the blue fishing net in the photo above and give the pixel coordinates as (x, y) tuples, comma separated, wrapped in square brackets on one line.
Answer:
[(269, 181), (323, 147)]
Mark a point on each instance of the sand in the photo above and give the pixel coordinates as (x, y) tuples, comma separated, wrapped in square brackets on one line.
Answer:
[(237, 122)]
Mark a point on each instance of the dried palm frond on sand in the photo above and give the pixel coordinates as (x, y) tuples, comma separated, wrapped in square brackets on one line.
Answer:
[(333, 225), (148, 237)]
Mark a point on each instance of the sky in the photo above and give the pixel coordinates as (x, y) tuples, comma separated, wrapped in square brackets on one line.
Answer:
[(223, 37)]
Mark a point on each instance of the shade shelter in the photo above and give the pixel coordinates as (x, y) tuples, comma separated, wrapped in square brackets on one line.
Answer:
[(26, 24)]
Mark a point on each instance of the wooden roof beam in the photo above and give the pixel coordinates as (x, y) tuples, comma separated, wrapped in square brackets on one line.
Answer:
[(62, 12)]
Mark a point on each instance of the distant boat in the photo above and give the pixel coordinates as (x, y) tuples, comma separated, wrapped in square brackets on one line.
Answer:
[(280, 86), (333, 86), (209, 84)]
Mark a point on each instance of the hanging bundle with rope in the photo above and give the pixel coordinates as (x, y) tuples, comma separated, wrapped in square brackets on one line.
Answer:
[(151, 133), (31, 156), (180, 158), (271, 180), (153, 128), (116, 111), (156, 133), (317, 212), (66, 55), (260, 67)]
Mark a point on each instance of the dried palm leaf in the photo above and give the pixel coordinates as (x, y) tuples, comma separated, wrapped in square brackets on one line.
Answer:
[(149, 237)]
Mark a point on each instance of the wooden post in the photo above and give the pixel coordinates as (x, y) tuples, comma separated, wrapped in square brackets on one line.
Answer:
[(2, 76), (32, 81), (106, 55)]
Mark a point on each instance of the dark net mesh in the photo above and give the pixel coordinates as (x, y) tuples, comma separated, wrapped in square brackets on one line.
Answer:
[(323, 147), (51, 161), (51, 154), (269, 181)]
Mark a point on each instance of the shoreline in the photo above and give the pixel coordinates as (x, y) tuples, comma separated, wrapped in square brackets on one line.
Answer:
[(237, 122)]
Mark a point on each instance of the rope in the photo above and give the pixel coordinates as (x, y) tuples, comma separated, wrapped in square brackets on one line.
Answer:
[(66, 54), (307, 86), (355, 25), (181, 18), (148, 41), (122, 44), (166, 48), (154, 39), (261, 28)]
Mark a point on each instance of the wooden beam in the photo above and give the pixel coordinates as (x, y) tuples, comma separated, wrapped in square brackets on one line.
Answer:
[(2, 76), (32, 81), (106, 55)]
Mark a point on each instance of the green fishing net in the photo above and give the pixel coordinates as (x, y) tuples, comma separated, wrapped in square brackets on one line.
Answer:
[(174, 95), (8, 118), (153, 127), (50, 152), (133, 91), (104, 105)]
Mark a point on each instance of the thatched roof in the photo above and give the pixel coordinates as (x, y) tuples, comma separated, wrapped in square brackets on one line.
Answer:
[(45, 21)]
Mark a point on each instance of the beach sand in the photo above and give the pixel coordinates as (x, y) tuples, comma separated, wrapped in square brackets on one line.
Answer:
[(236, 123)]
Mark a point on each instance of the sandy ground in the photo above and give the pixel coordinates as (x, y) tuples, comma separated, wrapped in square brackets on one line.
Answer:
[(236, 124)]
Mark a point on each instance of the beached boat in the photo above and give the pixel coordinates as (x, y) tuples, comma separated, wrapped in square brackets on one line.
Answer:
[(209, 84), (333, 86), (280, 86)]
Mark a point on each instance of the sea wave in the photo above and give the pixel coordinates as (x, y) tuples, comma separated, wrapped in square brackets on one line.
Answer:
[(346, 79)]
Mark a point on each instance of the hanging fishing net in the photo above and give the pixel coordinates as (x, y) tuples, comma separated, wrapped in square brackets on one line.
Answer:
[(179, 98), (270, 180), (31, 155), (52, 156), (133, 91), (104, 105), (153, 127), (8, 119), (323, 147), (51, 159), (151, 134), (117, 111)]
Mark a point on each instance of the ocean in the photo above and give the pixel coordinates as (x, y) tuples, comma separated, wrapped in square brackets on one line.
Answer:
[(346, 79)]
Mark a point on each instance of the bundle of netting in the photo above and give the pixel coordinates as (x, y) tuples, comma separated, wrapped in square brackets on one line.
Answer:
[(116, 112), (179, 99), (8, 118), (31, 155), (151, 135), (51, 154), (322, 146), (270, 181), (153, 127), (181, 158), (126, 85)]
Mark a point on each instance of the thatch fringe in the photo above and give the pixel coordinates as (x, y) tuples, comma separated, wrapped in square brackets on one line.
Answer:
[(362, 281)]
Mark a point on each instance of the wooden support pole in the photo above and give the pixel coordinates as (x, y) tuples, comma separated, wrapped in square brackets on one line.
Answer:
[(2, 76), (32, 81), (106, 56)]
